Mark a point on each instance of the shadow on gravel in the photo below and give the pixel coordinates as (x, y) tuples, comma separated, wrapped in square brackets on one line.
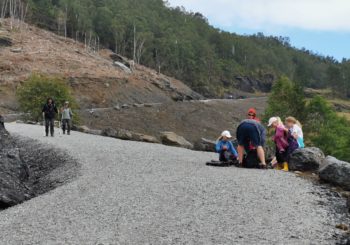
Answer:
[(29, 169)]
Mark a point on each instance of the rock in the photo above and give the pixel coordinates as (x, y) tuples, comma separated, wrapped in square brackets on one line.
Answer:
[(172, 139), (116, 107), (16, 50), (83, 129), (348, 204), (148, 139), (125, 106), (94, 132), (5, 42), (251, 84), (306, 159), (335, 172), (128, 135), (122, 67), (208, 145), (139, 105), (117, 133)]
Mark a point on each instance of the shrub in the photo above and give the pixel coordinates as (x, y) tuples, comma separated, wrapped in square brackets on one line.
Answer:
[(33, 94), (286, 98), (323, 128)]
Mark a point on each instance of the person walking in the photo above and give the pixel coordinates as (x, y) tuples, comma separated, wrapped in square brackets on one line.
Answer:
[(251, 134), (67, 115), (49, 113)]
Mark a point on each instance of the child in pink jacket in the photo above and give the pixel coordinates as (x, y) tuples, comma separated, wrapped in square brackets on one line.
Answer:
[(281, 140)]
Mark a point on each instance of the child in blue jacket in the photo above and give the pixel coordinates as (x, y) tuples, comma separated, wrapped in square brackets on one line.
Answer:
[(225, 148)]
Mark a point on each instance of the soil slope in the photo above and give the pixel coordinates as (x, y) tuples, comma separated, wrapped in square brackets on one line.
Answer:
[(96, 82)]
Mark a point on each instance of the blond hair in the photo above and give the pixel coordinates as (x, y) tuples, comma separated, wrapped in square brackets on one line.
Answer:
[(294, 121)]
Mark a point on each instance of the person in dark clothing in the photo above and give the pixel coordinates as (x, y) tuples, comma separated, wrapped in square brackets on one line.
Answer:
[(251, 133), (49, 114)]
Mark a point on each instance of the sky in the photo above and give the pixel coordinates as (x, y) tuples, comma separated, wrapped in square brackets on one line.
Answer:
[(322, 26)]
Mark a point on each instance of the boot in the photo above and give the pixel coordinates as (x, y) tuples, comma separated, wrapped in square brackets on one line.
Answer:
[(278, 166), (285, 167)]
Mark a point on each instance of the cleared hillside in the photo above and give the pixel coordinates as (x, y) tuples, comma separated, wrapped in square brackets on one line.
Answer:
[(95, 80)]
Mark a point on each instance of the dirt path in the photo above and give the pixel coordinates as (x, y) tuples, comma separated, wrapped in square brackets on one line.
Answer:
[(136, 193)]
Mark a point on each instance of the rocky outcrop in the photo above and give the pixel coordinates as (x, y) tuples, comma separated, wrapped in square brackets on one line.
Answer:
[(306, 159), (122, 67), (335, 172), (250, 84), (172, 139)]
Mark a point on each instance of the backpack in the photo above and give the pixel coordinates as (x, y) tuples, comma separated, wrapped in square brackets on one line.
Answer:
[(251, 160)]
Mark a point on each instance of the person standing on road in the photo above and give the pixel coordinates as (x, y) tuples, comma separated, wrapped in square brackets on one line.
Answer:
[(251, 133), (67, 115), (49, 113)]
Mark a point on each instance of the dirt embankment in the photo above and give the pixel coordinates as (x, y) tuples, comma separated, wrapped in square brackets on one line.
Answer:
[(94, 77), (193, 120)]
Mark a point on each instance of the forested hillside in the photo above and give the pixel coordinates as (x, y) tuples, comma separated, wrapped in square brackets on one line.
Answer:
[(184, 45)]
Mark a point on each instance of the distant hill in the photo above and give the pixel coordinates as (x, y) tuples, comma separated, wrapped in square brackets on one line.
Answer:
[(184, 45)]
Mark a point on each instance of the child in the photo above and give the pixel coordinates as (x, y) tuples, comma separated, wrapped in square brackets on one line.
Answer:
[(295, 128), (281, 141), (225, 148), (66, 118)]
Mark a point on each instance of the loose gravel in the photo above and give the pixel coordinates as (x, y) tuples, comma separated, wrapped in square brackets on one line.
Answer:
[(137, 193)]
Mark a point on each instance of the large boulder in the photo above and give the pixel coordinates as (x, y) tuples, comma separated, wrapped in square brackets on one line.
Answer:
[(306, 159), (172, 139), (335, 172)]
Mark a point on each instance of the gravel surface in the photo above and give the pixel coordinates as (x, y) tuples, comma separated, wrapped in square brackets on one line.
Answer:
[(137, 193)]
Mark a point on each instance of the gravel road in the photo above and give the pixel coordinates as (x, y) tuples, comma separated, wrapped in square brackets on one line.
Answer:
[(137, 193)]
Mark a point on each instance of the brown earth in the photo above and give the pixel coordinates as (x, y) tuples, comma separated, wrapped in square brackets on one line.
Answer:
[(95, 81)]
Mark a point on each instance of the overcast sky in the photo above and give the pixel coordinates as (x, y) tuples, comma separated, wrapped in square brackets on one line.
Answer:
[(319, 25)]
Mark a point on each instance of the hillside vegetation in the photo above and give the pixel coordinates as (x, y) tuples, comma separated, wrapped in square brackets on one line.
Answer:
[(184, 45)]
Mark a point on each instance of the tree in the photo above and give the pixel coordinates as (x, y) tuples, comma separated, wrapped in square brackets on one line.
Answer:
[(286, 99), (327, 130), (32, 95)]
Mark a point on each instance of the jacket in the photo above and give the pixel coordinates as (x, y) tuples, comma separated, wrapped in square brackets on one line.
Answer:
[(281, 138), (50, 110), (221, 143)]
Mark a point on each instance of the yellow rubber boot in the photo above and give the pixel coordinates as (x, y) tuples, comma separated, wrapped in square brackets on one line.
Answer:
[(285, 167), (278, 166)]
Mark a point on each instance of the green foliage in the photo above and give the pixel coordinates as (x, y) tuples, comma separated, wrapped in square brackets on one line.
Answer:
[(286, 98), (34, 92), (323, 128), (182, 44), (327, 130)]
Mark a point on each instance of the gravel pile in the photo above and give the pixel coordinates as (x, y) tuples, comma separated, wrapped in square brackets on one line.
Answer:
[(137, 193)]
